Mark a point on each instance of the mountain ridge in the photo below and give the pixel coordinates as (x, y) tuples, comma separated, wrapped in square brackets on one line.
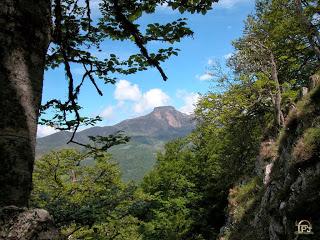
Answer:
[(148, 134)]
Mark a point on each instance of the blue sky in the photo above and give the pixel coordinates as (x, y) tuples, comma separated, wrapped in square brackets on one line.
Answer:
[(138, 94)]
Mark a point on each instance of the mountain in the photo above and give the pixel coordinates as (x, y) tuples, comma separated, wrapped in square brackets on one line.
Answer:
[(148, 134)]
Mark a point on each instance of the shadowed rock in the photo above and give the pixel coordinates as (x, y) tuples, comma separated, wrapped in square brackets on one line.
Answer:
[(26, 224)]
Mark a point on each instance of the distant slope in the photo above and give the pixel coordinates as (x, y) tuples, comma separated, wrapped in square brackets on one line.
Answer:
[(148, 135)]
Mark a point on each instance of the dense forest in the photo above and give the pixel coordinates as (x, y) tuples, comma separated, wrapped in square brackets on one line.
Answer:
[(250, 170)]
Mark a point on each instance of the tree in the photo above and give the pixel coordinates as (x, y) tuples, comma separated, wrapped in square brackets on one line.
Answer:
[(306, 22), (171, 191), (86, 201), (275, 46), (189, 185), (28, 29), (256, 53), (197, 176), (24, 39)]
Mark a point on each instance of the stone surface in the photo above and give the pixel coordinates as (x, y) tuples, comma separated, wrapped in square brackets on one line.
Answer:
[(291, 192), (27, 224)]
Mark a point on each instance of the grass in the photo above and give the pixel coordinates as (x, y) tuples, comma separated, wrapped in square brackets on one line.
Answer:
[(242, 197), (307, 146)]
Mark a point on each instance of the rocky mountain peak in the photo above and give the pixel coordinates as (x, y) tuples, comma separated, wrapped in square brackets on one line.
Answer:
[(168, 114), (148, 134), (164, 109)]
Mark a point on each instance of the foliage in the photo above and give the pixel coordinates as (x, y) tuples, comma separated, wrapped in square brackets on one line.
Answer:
[(274, 50), (186, 195), (273, 60), (181, 188), (238, 112), (86, 201), (193, 175)]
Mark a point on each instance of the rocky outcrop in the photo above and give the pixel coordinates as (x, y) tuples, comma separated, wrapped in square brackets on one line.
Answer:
[(27, 224), (291, 191)]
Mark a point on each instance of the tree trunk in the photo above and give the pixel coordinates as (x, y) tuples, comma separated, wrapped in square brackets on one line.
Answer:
[(278, 96), (24, 39)]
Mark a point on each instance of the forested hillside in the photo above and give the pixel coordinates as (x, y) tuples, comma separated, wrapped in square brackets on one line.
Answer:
[(250, 170), (147, 134)]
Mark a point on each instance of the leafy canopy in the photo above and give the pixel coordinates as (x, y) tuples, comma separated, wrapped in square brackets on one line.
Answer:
[(86, 201)]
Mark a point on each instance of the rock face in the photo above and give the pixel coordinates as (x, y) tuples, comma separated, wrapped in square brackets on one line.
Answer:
[(163, 122), (168, 114), (291, 192), (27, 224)]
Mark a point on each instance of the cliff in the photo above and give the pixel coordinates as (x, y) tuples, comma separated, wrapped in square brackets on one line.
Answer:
[(290, 191)]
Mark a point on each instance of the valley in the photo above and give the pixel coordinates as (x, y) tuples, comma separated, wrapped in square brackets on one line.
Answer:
[(148, 134)]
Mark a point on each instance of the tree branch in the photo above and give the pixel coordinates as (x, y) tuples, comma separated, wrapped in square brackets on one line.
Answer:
[(138, 38)]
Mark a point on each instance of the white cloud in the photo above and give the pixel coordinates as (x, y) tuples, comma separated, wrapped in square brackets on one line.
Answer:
[(210, 62), (164, 8), (227, 56), (107, 112), (190, 100), (43, 131), (204, 77), (132, 100), (125, 90), (151, 99), (230, 3)]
